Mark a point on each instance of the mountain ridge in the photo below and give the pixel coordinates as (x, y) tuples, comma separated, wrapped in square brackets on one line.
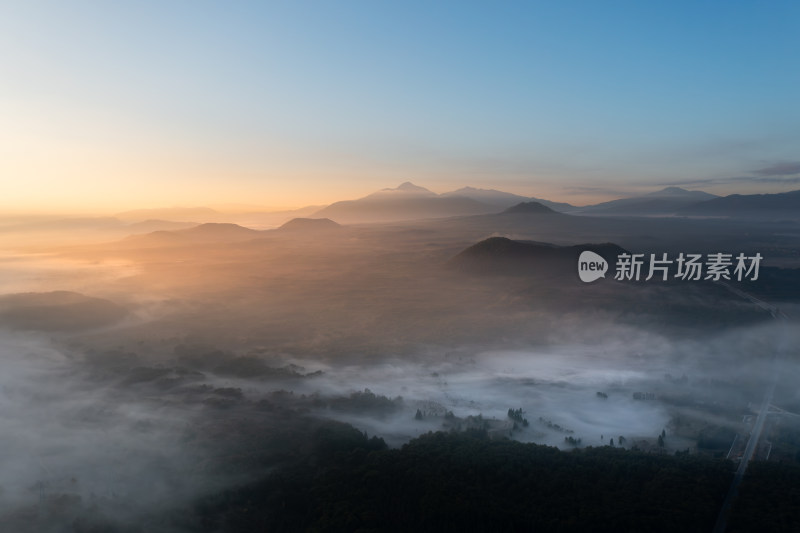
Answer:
[(780, 205)]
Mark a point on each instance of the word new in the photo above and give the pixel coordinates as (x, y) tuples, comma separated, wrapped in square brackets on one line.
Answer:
[(591, 266)]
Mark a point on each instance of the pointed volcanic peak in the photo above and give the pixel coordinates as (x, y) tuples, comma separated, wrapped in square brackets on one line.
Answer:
[(310, 225), (406, 202), (507, 257), (529, 208), (58, 311), (780, 206), (668, 201)]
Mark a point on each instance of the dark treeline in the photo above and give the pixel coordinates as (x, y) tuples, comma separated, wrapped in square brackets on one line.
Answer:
[(768, 499), (293, 472), (468, 482)]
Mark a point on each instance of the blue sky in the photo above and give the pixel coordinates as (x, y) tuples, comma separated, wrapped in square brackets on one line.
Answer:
[(289, 103)]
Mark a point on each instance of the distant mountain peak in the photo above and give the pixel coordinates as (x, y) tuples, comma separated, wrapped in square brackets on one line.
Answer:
[(310, 224), (408, 187), (219, 227), (409, 202), (679, 191), (404, 190), (667, 201)]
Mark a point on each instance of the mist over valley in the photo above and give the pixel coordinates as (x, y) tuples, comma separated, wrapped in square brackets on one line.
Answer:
[(150, 378)]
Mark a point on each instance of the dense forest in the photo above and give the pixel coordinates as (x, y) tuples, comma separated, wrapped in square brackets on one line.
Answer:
[(469, 482)]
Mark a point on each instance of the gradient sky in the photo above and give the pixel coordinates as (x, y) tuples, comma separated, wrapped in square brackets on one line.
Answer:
[(118, 105)]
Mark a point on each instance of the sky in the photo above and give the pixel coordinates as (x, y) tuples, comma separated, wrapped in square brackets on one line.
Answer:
[(127, 104)]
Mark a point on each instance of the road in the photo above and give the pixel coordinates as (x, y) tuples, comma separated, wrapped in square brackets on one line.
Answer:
[(752, 443), (758, 427)]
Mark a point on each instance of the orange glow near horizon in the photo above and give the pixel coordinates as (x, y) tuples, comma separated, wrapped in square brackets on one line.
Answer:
[(101, 196), (100, 162), (101, 165), (76, 193)]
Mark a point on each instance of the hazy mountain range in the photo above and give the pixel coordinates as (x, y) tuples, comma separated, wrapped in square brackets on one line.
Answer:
[(664, 202), (783, 205), (409, 201), (412, 202)]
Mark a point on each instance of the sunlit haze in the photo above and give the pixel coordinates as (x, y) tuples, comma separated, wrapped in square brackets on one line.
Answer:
[(110, 106), (438, 266)]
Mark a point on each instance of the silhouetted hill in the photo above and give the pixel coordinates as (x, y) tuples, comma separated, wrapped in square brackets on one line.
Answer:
[(204, 233), (528, 208), (220, 232), (769, 206), (503, 256), (310, 225), (57, 311)]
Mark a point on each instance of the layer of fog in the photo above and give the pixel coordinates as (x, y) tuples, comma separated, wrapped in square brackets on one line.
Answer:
[(559, 386), (73, 447), (41, 272), (556, 387), (122, 451), (368, 299)]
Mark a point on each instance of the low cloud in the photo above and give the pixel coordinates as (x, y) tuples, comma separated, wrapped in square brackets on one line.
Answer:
[(76, 448), (610, 191), (785, 173), (781, 169), (739, 180)]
